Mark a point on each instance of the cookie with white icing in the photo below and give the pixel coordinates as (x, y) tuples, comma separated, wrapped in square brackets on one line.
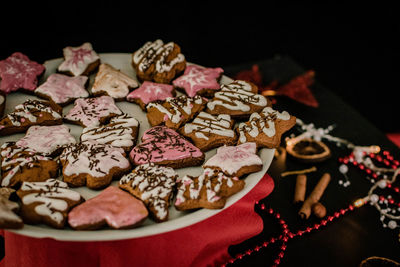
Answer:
[(154, 185), (80, 60), (197, 80), (8, 217), (121, 131), (47, 140), (236, 160), (174, 111), (112, 82), (113, 207), (265, 128), (209, 190), (210, 131), (18, 72), (238, 99), (30, 113), (63, 89), (20, 164), (2, 103), (92, 111), (47, 202), (150, 92), (158, 62), (93, 164)]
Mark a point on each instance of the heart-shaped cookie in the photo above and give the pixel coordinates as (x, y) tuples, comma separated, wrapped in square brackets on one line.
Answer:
[(164, 146), (112, 207)]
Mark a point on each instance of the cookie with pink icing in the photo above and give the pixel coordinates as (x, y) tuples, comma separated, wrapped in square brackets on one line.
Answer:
[(154, 185), (209, 190), (80, 60), (19, 72), (63, 89), (175, 111), (164, 146), (47, 140), (236, 160), (112, 207), (265, 128), (20, 164), (198, 80), (158, 62), (47, 202), (150, 92), (208, 131), (30, 113), (113, 82), (239, 99), (93, 164), (92, 111)]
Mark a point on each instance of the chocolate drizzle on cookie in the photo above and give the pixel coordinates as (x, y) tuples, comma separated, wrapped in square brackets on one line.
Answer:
[(206, 125), (154, 185)]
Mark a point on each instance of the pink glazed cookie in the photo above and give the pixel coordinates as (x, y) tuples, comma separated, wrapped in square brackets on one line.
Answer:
[(63, 89), (19, 72), (92, 111), (112, 207), (198, 80), (164, 146), (81, 60), (149, 92)]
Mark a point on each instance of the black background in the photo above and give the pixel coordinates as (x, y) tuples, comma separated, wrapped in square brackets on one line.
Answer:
[(354, 49)]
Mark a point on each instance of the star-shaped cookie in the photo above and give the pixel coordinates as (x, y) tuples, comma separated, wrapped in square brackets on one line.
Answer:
[(199, 80), (63, 89), (81, 60), (266, 128), (236, 160), (209, 190), (113, 82), (19, 72), (149, 92), (112, 207)]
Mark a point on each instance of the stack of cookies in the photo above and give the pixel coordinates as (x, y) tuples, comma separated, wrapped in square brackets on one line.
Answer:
[(188, 110)]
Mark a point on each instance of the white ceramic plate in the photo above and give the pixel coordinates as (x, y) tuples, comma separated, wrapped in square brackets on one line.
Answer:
[(176, 220)]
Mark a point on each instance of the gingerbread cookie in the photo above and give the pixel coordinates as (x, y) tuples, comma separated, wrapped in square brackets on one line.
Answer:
[(121, 131), (30, 113), (20, 164), (8, 217), (63, 89), (158, 62), (154, 186), (19, 72), (112, 82), (47, 202), (164, 146), (265, 128), (112, 207), (92, 164), (209, 190), (173, 112), (208, 131), (2, 103), (236, 160), (81, 60), (238, 99), (198, 80), (150, 92), (47, 140), (92, 111)]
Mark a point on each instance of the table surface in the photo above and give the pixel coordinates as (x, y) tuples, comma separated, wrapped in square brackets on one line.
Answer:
[(351, 238), (354, 236)]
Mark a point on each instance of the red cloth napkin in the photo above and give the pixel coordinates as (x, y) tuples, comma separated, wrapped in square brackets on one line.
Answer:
[(201, 244)]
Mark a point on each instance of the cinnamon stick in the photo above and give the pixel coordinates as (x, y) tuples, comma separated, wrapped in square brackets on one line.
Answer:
[(300, 189), (315, 196)]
